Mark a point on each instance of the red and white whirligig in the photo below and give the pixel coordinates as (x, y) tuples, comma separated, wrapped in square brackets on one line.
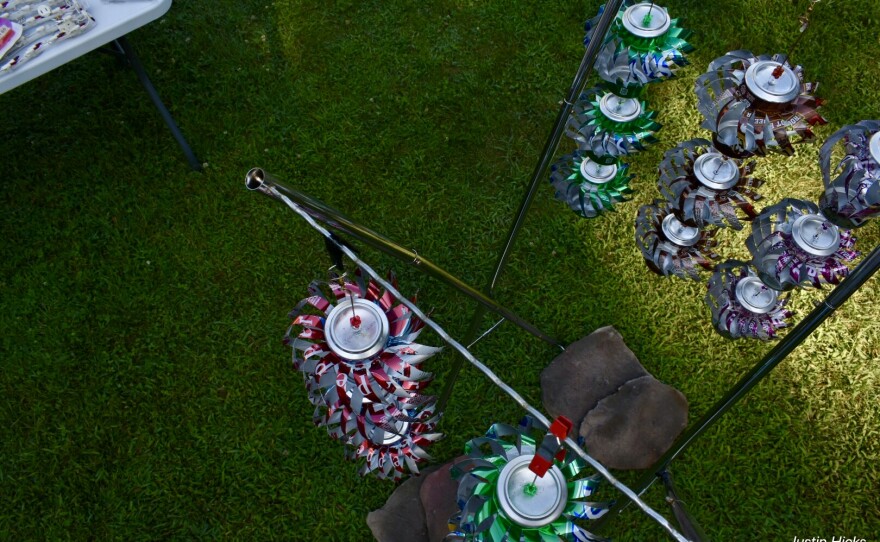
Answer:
[(357, 353)]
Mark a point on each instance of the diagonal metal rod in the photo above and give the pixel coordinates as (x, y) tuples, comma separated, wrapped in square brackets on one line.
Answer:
[(864, 271), (572, 445), (259, 180), (552, 143)]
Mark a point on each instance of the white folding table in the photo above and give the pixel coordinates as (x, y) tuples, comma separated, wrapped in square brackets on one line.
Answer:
[(112, 22)]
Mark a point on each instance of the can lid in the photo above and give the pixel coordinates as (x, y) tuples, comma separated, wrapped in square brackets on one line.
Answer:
[(874, 146), (380, 437), (755, 296), (716, 171), (646, 20), (361, 342), (762, 82), (620, 109), (527, 501), (678, 233), (597, 173), (815, 235)]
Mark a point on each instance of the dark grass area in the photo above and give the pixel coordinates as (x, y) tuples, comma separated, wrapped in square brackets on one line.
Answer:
[(144, 390)]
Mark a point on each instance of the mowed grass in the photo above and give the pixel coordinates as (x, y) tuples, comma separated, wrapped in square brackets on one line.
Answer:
[(144, 390)]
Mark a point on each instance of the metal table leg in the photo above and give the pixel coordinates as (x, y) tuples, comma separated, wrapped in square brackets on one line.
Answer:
[(126, 48)]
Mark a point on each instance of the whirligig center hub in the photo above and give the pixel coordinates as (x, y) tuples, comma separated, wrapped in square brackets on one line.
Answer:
[(598, 173), (815, 235), (715, 171), (389, 438), (679, 233), (754, 296), (646, 20), (874, 147), (620, 109), (356, 342), (529, 501), (772, 82)]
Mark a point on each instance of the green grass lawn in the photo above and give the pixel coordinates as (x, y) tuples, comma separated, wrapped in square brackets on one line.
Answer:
[(144, 390)]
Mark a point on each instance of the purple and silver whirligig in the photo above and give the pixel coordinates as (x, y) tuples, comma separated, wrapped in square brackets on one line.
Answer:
[(706, 188), (670, 247), (852, 196), (754, 104), (793, 245), (742, 306)]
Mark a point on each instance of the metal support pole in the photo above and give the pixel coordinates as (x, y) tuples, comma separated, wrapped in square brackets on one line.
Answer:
[(864, 271), (577, 86), (259, 180), (135, 63)]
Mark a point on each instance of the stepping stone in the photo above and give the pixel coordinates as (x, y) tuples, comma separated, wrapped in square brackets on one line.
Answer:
[(402, 519), (634, 427), (439, 495), (588, 371)]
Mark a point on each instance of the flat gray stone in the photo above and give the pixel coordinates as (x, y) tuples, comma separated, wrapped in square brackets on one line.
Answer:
[(588, 371), (402, 519), (438, 495), (634, 427)]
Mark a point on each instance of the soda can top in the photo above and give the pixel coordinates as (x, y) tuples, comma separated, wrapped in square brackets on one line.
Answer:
[(815, 235), (529, 501), (715, 171), (678, 233), (356, 342), (646, 20), (620, 109), (755, 296), (772, 82), (598, 173)]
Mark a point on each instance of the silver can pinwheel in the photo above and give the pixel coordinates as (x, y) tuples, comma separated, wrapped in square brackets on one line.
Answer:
[(742, 306), (361, 348), (671, 247), (643, 45), (589, 186), (852, 185), (754, 104), (501, 499), (361, 368), (388, 439), (793, 245), (706, 188), (606, 124)]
